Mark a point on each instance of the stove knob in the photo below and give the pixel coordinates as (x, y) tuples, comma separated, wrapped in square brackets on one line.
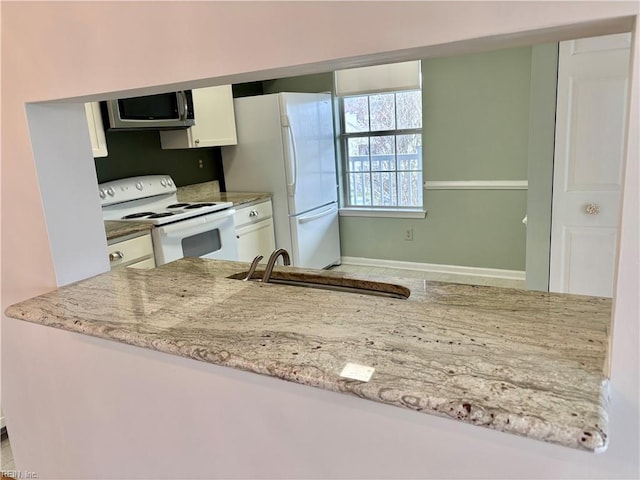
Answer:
[(111, 191), (169, 182), (163, 182), (102, 194), (139, 185)]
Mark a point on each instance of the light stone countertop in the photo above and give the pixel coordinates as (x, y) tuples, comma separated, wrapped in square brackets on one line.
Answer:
[(115, 229), (527, 363), (210, 192)]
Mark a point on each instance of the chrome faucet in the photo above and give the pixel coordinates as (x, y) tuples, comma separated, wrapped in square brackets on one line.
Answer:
[(272, 261), (253, 267)]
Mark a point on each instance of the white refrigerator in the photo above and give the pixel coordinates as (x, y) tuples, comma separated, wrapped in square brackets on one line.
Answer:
[(286, 147)]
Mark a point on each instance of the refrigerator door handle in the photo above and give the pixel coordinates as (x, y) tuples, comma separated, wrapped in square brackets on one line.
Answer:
[(317, 215), (291, 187)]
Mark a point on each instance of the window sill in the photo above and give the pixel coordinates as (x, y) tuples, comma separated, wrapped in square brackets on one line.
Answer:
[(382, 212)]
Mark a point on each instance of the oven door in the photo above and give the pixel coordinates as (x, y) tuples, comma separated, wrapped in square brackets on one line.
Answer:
[(207, 236)]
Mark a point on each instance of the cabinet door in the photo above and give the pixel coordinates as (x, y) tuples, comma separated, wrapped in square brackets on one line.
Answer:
[(96, 129), (253, 214), (132, 251), (256, 239), (215, 121)]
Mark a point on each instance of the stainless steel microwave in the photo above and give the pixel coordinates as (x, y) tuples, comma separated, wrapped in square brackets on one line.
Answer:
[(165, 111)]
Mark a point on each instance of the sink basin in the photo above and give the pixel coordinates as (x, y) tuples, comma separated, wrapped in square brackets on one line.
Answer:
[(325, 282)]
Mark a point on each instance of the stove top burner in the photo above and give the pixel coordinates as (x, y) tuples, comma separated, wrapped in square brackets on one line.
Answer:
[(161, 211), (198, 205), (138, 215)]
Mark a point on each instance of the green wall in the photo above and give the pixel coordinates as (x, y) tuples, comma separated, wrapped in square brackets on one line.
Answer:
[(544, 83), (476, 126), (133, 153), (463, 227), (316, 83), (476, 116)]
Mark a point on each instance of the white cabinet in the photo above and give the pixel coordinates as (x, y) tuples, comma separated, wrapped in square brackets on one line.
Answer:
[(96, 129), (254, 231), (136, 252), (215, 121)]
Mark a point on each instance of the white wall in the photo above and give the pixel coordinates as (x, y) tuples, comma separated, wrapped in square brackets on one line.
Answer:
[(54, 50), (61, 160)]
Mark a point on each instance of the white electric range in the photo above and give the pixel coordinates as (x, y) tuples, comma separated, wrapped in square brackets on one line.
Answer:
[(180, 229)]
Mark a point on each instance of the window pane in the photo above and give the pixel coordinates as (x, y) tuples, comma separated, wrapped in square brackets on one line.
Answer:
[(376, 184), (356, 114), (360, 189), (358, 154), (352, 189), (409, 109), (366, 180), (404, 197), (409, 152), (417, 188), (387, 189), (383, 112), (410, 189), (384, 189), (383, 153)]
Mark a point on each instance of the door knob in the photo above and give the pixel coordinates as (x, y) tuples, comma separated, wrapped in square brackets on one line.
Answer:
[(592, 209)]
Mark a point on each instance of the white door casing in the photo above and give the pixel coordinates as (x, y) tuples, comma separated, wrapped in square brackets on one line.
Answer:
[(590, 124)]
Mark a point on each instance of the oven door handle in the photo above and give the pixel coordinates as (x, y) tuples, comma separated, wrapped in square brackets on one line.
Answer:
[(193, 226)]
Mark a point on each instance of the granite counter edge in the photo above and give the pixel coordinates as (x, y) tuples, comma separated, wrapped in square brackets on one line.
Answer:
[(529, 426)]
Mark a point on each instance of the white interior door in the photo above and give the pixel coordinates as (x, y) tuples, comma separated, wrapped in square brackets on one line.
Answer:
[(590, 125)]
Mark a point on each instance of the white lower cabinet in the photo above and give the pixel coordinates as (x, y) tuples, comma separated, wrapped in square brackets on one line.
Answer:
[(254, 231), (134, 252)]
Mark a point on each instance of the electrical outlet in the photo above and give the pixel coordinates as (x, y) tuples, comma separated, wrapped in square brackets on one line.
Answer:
[(408, 234)]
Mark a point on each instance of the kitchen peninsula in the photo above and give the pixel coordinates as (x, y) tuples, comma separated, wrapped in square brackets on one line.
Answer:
[(528, 363)]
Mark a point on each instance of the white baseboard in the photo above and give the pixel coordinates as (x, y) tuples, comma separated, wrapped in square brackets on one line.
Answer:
[(437, 268)]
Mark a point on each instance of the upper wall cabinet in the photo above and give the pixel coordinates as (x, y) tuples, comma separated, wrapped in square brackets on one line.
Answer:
[(215, 121), (96, 129)]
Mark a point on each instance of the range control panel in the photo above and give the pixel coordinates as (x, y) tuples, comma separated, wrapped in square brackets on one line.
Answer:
[(134, 188)]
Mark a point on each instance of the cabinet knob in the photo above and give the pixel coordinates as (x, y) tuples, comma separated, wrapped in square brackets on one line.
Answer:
[(254, 213), (197, 141), (117, 255)]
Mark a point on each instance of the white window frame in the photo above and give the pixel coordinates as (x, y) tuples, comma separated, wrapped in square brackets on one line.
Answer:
[(347, 210)]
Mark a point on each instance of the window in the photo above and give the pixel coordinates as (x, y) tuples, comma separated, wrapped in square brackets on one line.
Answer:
[(382, 150)]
